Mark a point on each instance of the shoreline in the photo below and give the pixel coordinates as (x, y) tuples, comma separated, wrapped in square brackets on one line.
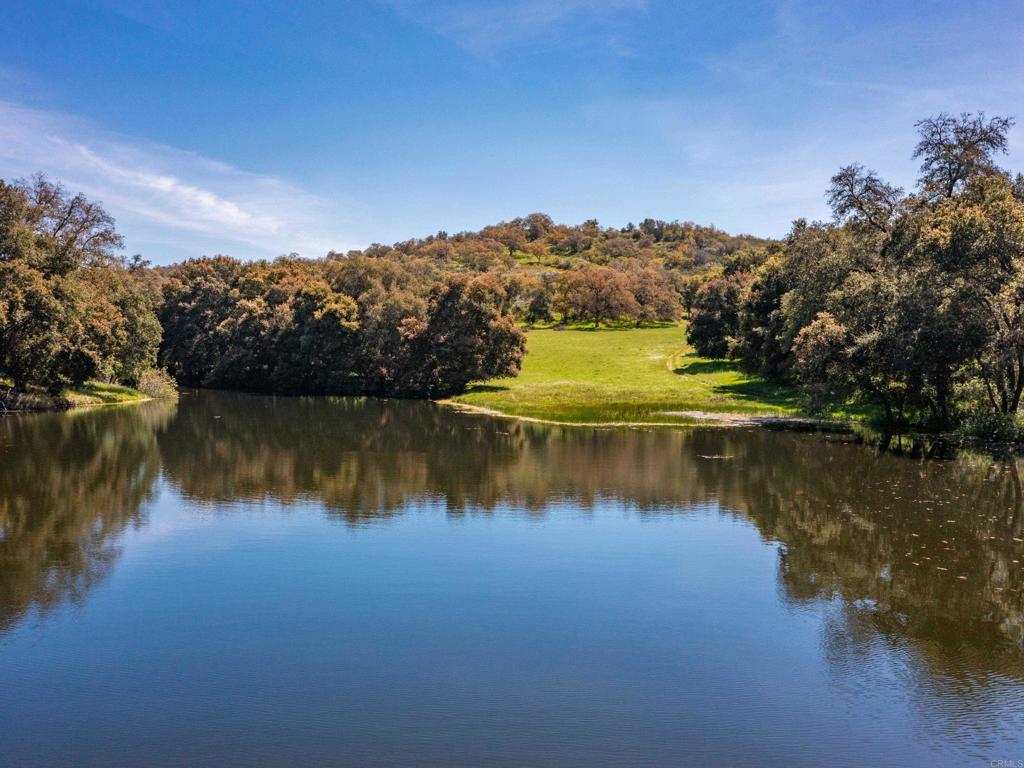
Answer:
[(724, 419), (69, 408), (783, 423), (49, 404)]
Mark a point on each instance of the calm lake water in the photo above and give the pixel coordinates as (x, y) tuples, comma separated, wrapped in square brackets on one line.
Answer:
[(242, 580)]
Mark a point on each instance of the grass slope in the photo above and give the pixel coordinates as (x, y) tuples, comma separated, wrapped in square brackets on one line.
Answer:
[(624, 375), (90, 393)]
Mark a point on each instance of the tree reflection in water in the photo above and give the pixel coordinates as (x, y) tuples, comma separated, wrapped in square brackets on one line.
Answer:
[(926, 553), (69, 485)]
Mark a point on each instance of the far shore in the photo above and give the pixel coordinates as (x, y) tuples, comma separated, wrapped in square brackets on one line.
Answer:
[(725, 419)]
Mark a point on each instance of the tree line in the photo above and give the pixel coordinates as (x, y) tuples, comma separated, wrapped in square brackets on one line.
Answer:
[(911, 303), (352, 325), (421, 318), (537, 241), (72, 310)]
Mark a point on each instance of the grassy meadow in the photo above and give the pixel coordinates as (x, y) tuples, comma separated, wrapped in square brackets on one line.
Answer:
[(624, 374)]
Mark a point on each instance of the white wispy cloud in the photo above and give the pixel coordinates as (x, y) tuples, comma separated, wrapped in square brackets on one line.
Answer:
[(175, 202), (481, 26)]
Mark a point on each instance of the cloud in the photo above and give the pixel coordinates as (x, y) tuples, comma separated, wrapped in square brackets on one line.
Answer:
[(171, 201), (488, 25)]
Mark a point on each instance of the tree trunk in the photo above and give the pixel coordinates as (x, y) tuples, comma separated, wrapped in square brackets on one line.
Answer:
[(1018, 388)]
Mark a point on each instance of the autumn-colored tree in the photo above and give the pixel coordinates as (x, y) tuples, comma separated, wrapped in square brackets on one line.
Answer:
[(656, 298), (595, 294), (511, 235)]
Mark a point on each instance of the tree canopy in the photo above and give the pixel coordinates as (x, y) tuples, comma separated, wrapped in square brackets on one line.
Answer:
[(912, 302), (70, 308)]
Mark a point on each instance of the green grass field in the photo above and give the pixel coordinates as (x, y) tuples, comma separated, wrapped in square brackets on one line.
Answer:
[(624, 375)]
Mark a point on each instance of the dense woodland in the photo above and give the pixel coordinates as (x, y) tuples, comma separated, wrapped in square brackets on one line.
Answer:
[(421, 318), (911, 303)]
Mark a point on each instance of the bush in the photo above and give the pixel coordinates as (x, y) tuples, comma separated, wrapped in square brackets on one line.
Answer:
[(158, 384), (992, 425)]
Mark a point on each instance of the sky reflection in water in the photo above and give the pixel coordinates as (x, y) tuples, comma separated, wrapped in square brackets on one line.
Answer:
[(242, 580)]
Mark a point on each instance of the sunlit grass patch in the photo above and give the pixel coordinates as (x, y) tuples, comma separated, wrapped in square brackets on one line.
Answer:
[(624, 374), (94, 393), (90, 393)]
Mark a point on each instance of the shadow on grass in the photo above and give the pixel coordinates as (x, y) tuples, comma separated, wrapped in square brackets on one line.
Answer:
[(611, 326), (485, 388), (762, 392), (106, 393), (697, 367), (750, 389)]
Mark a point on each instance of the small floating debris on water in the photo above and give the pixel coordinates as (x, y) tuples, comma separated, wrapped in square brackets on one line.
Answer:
[(702, 456), (962, 578), (940, 568)]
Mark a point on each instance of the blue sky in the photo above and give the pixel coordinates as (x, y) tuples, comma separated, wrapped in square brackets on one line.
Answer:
[(260, 128)]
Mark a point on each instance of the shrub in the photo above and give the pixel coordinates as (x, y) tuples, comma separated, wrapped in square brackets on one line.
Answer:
[(992, 425), (158, 384)]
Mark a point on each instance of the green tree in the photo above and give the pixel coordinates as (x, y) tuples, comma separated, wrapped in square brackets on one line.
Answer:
[(714, 319), (764, 342), (466, 338), (68, 310)]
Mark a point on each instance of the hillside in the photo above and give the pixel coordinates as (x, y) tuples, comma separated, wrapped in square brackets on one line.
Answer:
[(537, 240), (623, 374)]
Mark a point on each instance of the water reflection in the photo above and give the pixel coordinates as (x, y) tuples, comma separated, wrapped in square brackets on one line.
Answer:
[(927, 553), (69, 485)]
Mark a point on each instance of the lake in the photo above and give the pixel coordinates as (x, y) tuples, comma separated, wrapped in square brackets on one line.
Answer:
[(242, 580)]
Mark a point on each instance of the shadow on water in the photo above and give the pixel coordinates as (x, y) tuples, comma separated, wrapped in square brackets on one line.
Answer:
[(925, 553)]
